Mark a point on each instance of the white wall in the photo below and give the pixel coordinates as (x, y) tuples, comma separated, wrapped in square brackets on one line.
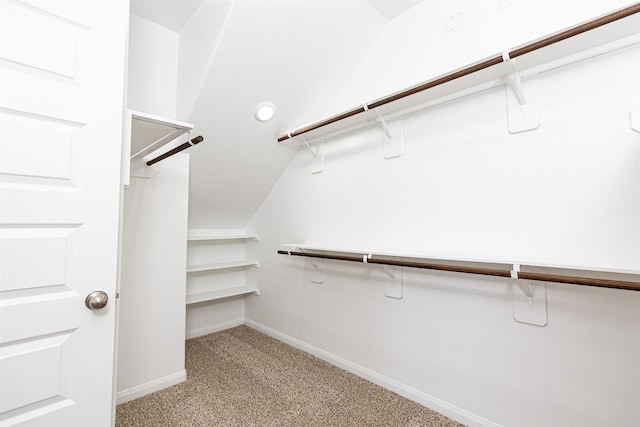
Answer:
[(151, 330), (567, 193), (213, 316), (153, 284), (153, 68)]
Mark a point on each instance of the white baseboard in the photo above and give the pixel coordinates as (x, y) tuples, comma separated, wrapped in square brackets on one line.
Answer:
[(150, 387), (451, 411), (193, 333)]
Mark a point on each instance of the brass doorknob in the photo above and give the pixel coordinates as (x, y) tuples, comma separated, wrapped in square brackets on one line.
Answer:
[(96, 300)]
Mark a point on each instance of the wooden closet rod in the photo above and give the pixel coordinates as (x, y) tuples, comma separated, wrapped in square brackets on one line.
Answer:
[(178, 149), (542, 277), (547, 41)]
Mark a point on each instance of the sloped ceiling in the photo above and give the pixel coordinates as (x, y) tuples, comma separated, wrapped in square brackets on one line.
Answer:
[(297, 54)]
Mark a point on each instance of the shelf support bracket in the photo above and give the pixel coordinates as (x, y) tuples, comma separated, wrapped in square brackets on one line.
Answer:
[(315, 270), (393, 139), (516, 83), (306, 144), (317, 163), (392, 281), (383, 123), (392, 135), (529, 300), (523, 99)]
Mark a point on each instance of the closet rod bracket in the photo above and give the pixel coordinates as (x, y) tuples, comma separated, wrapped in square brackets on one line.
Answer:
[(380, 119), (529, 300), (515, 78), (306, 144), (524, 285), (530, 310), (315, 270), (392, 281), (523, 98), (392, 137), (317, 163)]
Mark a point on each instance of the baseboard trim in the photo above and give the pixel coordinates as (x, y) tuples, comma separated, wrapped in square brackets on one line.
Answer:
[(150, 387), (451, 411), (217, 327)]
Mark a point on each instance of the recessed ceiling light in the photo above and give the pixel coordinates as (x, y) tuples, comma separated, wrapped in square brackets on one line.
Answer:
[(264, 111)]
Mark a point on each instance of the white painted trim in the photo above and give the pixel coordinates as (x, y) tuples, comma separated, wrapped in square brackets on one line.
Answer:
[(217, 327), (424, 399), (151, 387)]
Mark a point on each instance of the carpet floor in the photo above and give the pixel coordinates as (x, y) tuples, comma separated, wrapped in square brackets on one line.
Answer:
[(241, 377)]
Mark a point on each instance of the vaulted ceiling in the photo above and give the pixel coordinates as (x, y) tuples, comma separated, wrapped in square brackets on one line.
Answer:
[(296, 54)]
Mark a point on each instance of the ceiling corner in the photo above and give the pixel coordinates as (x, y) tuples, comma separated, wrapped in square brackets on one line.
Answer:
[(392, 8)]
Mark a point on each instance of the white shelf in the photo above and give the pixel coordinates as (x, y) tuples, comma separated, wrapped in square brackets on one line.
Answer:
[(218, 244), (219, 294), (465, 258), (222, 266), (228, 237), (149, 132)]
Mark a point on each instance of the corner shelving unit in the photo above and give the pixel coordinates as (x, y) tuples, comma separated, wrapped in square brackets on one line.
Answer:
[(213, 254)]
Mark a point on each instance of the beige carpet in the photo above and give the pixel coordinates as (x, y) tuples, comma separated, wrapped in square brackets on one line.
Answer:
[(241, 377)]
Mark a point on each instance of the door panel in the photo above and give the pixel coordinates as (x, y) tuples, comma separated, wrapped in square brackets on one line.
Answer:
[(32, 371), (48, 247), (62, 80)]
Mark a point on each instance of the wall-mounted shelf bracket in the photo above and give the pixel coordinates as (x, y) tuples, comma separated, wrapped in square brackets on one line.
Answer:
[(515, 79), (306, 144), (634, 117), (392, 276), (529, 300), (523, 99), (315, 270), (392, 281), (392, 135), (382, 121), (317, 164)]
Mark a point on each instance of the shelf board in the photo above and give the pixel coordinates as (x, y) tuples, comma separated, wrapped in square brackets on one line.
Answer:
[(222, 237), (149, 132), (219, 294), (222, 266), (466, 258)]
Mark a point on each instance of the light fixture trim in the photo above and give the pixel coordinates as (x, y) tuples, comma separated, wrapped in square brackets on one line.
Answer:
[(264, 111)]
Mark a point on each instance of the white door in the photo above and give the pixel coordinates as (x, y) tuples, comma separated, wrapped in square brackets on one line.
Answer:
[(61, 104)]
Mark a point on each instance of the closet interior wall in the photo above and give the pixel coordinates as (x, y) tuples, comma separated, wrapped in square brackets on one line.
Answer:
[(151, 307), (464, 187)]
